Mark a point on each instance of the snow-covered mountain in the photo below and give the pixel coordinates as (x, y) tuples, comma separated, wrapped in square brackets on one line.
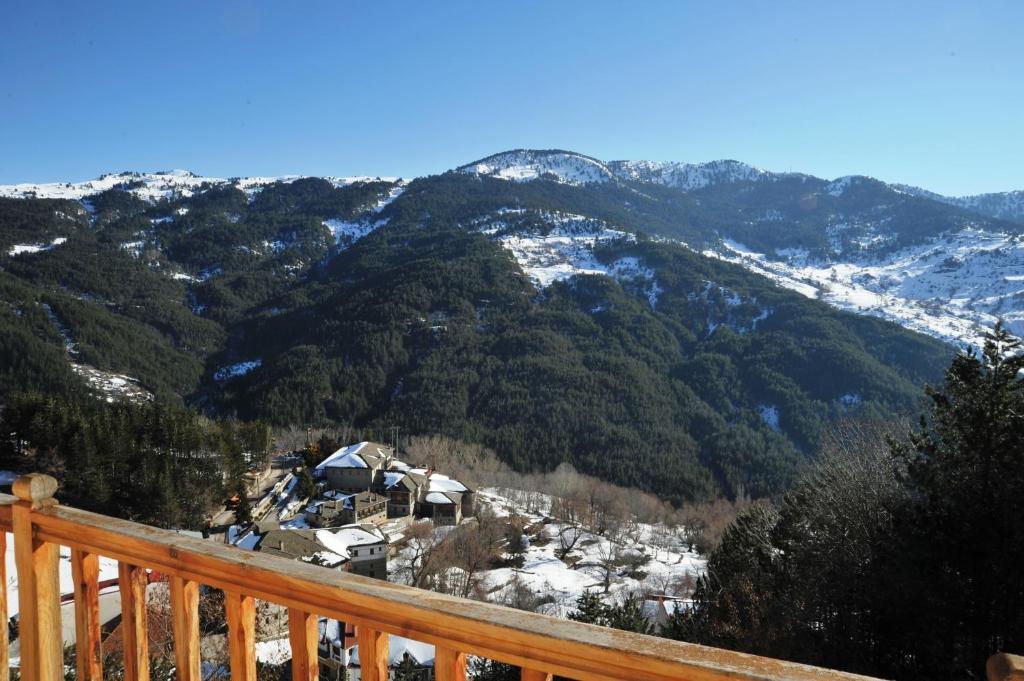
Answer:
[(153, 186), (688, 176), (936, 264), (954, 287), (1002, 205), (523, 165), (566, 167)]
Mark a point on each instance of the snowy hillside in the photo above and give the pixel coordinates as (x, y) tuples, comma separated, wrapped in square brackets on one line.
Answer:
[(646, 559), (564, 248), (953, 287), (687, 176), (152, 186), (1002, 205), (522, 165)]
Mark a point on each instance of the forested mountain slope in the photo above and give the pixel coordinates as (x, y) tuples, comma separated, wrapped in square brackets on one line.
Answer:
[(546, 309)]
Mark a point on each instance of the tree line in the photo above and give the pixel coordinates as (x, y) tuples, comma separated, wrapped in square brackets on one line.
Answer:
[(154, 463), (897, 554)]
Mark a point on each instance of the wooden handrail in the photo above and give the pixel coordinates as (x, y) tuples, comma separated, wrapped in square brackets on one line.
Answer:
[(540, 644)]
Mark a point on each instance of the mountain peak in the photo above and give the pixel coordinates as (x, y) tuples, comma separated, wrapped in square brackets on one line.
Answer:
[(523, 165)]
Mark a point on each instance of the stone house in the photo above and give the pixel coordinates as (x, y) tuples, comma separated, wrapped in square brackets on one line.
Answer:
[(404, 490), (354, 468), (347, 509)]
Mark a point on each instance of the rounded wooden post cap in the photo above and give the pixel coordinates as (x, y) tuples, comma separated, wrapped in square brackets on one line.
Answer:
[(35, 487), (1004, 667)]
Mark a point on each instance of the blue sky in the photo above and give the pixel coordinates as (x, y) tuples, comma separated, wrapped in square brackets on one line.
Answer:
[(928, 93)]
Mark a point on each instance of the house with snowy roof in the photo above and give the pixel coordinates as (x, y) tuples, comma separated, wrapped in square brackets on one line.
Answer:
[(416, 656), (404, 488), (355, 467), (337, 508), (446, 500), (362, 549), (658, 609), (444, 508)]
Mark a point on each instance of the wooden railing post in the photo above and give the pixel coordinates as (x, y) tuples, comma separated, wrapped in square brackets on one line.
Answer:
[(241, 614), (373, 654), (38, 582), (1005, 667), (449, 665), (85, 571), (303, 635), (185, 624), (533, 675), (132, 581), (5, 655)]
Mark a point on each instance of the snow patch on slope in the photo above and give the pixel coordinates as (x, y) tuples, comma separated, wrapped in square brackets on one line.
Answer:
[(953, 287), (20, 249), (235, 370), (346, 233)]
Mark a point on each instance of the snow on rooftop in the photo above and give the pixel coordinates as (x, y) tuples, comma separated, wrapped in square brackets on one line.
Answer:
[(438, 498), (346, 457), (442, 483), (325, 558), (339, 541), (398, 647)]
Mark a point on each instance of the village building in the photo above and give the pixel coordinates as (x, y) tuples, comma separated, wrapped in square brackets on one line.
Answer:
[(444, 508), (360, 549), (404, 489), (354, 468), (441, 493), (299, 545), (417, 656), (337, 509)]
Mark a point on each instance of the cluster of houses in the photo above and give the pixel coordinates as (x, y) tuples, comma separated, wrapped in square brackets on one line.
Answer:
[(367, 479), (364, 497)]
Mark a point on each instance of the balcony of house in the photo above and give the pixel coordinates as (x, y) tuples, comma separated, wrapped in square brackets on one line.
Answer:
[(542, 646)]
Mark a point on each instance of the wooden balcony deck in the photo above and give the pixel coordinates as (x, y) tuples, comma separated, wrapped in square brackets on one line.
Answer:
[(542, 646)]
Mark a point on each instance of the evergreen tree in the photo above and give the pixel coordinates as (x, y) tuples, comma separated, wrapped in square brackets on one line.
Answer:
[(243, 512), (963, 534), (483, 669), (628, 615), (305, 487), (590, 609)]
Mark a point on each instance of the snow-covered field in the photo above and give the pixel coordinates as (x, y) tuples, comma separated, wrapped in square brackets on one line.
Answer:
[(952, 288)]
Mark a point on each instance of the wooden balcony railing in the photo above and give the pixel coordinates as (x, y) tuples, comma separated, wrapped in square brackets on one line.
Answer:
[(542, 646)]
